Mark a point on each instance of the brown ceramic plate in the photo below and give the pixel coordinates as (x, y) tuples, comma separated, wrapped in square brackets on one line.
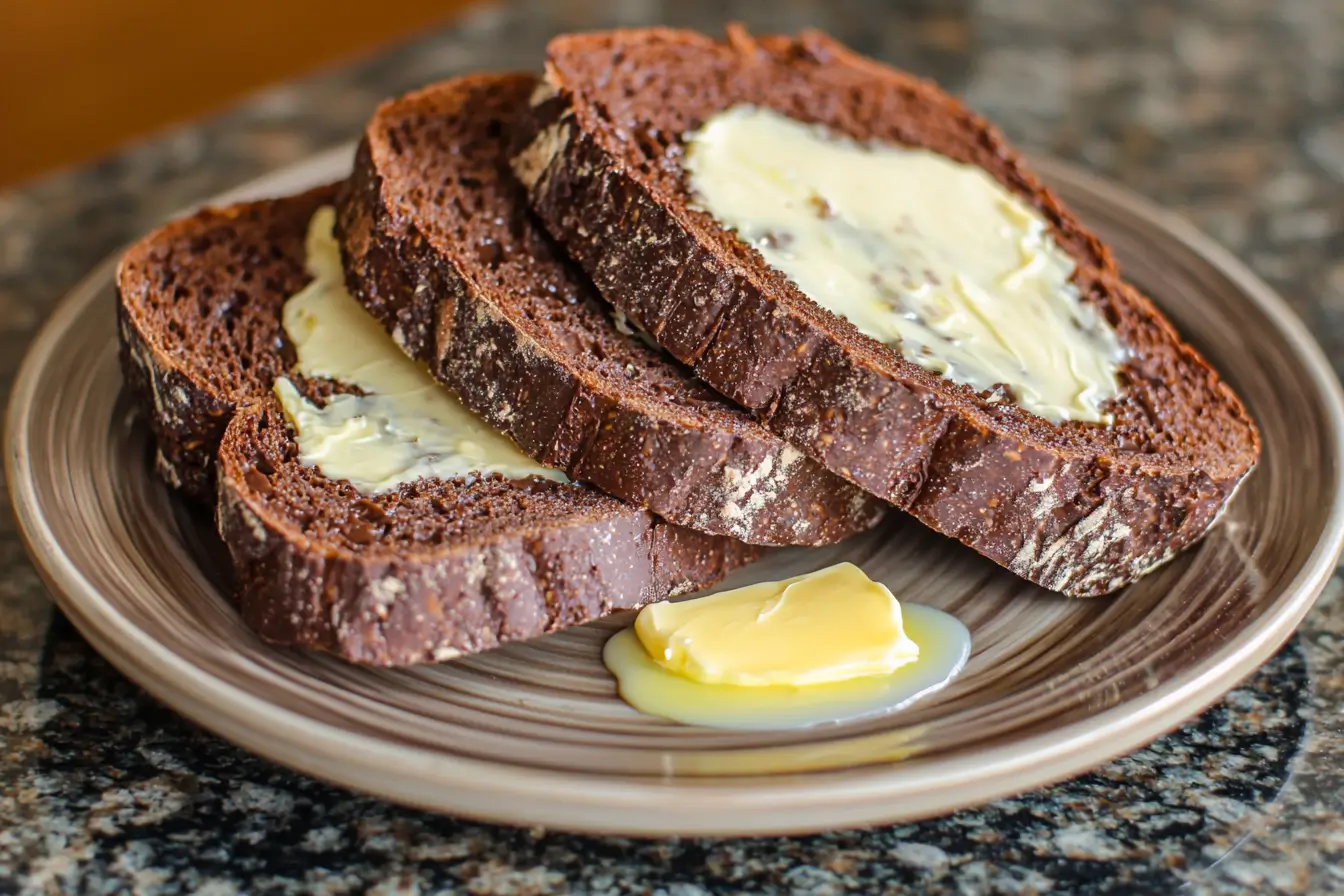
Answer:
[(535, 734)]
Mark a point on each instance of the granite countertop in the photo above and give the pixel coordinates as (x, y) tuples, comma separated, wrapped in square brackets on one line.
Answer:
[(1229, 111)]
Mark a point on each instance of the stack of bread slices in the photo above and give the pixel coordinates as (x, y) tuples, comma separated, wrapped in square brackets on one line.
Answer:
[(533, 243)]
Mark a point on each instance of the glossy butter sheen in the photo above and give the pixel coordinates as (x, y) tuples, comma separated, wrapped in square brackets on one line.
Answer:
[(653, 689), (406, 426), (822, 647), (830, 625), (930, 256)]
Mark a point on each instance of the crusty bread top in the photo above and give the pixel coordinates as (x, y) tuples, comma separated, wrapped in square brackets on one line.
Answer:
[(440, 245), (637, 92)]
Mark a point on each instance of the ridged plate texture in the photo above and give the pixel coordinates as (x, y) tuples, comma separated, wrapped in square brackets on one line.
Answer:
[(534, 733)]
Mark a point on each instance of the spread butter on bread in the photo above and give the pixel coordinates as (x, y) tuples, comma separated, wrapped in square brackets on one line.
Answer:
[(441, 248), (398, 573), (1081, 487)]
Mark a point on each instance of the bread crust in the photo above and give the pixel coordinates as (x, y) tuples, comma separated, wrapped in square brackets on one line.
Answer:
[(1080, 511), (689, 456), (394, 607), (386, 601), (187, 407)]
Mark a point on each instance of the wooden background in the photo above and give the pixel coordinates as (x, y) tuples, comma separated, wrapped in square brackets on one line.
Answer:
[(78, 77)]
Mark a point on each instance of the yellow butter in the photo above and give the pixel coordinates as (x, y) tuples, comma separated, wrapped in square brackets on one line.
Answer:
[(406, 426), (928, 255), (827, 626), (944, 646)]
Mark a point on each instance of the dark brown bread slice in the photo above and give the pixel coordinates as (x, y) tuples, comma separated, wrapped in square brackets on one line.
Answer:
[(419, 574), (1082, 509), (439, 244), (198, 315), (437, 568)]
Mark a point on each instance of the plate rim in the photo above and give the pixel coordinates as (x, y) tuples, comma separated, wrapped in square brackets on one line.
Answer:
[(635, 806)]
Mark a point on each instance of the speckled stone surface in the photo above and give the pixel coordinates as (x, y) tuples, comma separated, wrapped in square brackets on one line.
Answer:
[(1230, 111)]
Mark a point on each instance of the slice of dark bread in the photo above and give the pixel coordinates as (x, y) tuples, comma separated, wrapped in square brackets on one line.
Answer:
[(437, 568), (440, 246), (198, 313), (1079, 508), (422, 573)]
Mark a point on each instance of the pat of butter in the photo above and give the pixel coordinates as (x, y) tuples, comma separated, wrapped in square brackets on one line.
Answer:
[(406, 426), (930, 256), (831, 625)]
